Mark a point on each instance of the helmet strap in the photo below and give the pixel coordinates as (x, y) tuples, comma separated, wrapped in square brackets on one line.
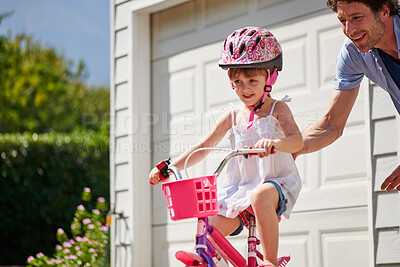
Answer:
[(271, 78)]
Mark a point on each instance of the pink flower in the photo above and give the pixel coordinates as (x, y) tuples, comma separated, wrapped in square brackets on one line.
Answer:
[(254, 54), (77, 247), (95, 211), (31, 258), (103, 228), (66, 251), (72, 257), (101, 199), (67, 244), (60, 231), (58, 247), (86, 221), (81, 207), (90, 226), (86, 189), (81, 239), (40, 254)]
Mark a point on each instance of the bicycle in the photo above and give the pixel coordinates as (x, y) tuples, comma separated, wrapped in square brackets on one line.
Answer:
[(197, 198)]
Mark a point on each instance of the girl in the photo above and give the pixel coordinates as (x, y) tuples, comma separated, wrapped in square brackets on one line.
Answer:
[(269, 183)]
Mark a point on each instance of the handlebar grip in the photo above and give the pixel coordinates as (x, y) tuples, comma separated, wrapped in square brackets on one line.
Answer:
[(273, 151)]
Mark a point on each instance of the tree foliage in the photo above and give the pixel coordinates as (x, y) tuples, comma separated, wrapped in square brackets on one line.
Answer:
[(42, 91)]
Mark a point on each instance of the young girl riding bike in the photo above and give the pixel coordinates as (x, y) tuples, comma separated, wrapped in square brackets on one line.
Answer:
[(270, 182)]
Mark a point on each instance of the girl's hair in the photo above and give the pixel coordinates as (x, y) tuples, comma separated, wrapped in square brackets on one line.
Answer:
[(247, 72), (374, 5)]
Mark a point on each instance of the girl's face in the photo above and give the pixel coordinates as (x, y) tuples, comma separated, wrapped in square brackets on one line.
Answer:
[(249, 89)]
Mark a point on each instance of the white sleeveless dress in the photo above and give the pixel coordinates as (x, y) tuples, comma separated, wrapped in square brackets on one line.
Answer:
[(243, 175)]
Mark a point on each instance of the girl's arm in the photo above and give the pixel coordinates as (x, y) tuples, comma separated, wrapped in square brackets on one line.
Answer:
[(293, 140), (221, 127)]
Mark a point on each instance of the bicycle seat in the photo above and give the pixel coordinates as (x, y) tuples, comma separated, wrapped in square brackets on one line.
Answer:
[(250, 209), (245, 215)]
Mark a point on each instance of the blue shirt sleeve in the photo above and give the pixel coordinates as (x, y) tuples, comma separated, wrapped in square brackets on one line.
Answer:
[(348, 71)]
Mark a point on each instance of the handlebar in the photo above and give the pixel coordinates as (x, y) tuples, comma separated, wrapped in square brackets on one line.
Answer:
[(165, 169), (246, 152)]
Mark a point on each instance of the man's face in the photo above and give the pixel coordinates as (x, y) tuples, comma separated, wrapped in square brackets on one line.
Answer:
[(360, 24)]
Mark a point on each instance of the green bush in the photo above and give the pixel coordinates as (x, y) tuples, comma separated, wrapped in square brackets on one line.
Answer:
[(41, 180), (89, 241)]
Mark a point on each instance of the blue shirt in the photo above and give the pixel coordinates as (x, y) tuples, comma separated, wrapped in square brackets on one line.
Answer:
[(351, 66), (392, 66)]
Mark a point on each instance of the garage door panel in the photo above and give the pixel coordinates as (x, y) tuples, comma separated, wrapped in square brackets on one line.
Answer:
[(298, 246), (343, 195), (217, 88), (181, 88), (268, 3), (330, 40), (174, 22), (295, 66), (346, 160), (345, 249), (221, 10)]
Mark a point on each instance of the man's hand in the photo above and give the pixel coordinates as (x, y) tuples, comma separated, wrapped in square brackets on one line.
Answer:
[(392, 181)]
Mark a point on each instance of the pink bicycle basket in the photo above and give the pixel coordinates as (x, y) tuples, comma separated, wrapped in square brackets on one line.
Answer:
[(191, 198)]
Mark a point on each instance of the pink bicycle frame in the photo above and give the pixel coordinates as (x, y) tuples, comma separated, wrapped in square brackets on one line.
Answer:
[(209, 239)]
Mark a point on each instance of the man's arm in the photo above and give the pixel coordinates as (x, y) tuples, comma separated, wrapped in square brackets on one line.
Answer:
[(330, 127)]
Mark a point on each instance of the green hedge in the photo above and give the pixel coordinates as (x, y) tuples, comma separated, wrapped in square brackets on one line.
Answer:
[(41, 181)]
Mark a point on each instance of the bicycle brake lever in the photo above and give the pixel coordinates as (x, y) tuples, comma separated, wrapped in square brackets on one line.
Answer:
[(162, 166)]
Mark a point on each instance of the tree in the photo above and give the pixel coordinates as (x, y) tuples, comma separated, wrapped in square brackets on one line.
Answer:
[(41, 91)]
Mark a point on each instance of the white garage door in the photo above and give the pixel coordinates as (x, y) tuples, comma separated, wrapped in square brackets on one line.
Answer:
[(329, 226)]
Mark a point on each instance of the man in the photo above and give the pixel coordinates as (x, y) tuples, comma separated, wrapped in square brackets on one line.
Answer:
[(372, 49)]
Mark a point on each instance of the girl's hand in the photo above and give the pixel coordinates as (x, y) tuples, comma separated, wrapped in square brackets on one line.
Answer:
[(269, 146), (155, 176)]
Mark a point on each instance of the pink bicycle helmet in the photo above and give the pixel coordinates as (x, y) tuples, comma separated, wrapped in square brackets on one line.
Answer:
[(251, 47)]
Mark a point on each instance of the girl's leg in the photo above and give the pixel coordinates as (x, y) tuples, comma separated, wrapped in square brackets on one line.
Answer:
[(264, 201), (225, 225)]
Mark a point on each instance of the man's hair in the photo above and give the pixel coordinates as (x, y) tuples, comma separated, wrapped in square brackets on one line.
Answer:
[(374, 5)]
